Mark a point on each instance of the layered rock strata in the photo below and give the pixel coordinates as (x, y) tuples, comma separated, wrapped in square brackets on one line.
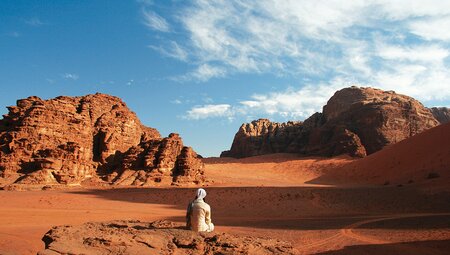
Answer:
[(67, 140), (355, 121)]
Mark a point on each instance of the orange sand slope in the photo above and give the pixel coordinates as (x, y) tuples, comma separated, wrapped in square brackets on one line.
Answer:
[(282, 169), (420, 158)]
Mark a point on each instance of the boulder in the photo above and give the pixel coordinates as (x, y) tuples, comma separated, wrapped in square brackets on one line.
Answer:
[(160, 237)]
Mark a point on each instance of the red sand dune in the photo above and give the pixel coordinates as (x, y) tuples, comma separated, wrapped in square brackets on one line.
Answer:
[(420, 158)]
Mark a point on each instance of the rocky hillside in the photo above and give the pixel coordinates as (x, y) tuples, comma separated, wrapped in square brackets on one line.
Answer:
[(355, 121), (67, 140), (264, 137)]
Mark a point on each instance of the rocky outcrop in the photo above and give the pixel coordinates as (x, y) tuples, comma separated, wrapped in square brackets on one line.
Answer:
[(160, 237), (355, 121), (442, 114), (263, 137), (158, 161), (67, 140)]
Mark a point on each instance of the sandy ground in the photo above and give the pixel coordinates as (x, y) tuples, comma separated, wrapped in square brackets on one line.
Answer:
[(261, 196), (410, 161)]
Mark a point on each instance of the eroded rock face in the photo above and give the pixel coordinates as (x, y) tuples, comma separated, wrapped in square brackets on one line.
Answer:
[(161, 237), (66, 140), (355, 121), (442, 114), (158, 161), (263, 137)]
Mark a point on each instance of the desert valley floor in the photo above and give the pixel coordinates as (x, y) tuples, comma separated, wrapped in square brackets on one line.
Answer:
[(278, 202)]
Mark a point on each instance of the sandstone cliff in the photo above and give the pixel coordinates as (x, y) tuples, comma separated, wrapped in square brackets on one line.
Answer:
[(355, 121), (263, 137), (67, 140)]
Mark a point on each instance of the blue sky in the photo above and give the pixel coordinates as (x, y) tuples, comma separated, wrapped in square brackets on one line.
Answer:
[(202, 68)]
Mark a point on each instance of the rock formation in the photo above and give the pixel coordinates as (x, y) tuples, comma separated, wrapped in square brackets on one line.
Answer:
[(161, 237), (263, 137), (158, 160), (66, 140), (442, 114), (355, 121)]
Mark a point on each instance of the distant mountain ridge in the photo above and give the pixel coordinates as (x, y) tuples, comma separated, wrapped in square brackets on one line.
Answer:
[(356, 121)]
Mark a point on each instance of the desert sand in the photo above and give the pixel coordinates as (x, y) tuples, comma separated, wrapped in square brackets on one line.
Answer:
[(274, 196), (324, 219)]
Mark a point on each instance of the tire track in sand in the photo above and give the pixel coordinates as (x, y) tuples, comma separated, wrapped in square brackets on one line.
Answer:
[(347, 231)]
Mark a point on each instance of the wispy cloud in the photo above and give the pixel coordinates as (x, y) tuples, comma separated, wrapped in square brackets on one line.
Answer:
[(172, 50), (35, 22), (176, 101), (432, 28), (154, 21), (289, 104), (206, 72), (396, 45), (427, 54), (202, 73), (208, 111), (70, 76)]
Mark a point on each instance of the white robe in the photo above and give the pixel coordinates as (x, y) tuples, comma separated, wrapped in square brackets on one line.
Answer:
[(200, 216)]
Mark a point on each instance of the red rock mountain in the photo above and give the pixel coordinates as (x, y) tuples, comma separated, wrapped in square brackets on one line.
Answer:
[(67, 140), (355, 121)]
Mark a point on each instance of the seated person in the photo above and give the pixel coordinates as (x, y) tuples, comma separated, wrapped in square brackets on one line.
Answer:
[(198, 215)]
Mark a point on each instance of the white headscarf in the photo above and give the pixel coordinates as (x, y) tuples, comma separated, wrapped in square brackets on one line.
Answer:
[(201, 193)]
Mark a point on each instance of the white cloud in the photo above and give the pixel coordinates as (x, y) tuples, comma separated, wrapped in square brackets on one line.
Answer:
[(173, 50), (206, 72), (154, 21), (208, 111), (397, 45), (299, 37), (432, 28), (291, 103), (70, 76), (176, 101), (421, 82), (404, 9), (431, 53)]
